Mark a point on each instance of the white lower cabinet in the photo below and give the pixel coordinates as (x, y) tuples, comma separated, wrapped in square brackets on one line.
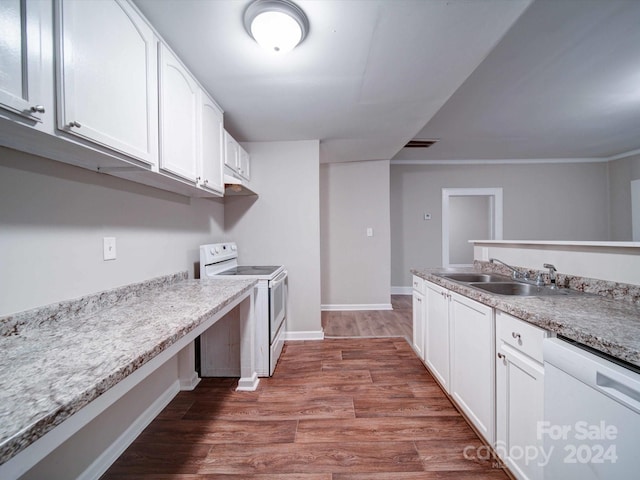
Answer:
[(418, 316), (436, 319), (471, 344), (490, 363), (519, 395)]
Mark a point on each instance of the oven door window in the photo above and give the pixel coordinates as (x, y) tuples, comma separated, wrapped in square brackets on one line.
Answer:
[(277, 303)]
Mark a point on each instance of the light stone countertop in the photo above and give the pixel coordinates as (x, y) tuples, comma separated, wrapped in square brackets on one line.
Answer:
[(72, 352), (608, 325)]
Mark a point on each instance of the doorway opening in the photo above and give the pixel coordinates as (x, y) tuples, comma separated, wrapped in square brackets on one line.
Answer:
[(468, 214)]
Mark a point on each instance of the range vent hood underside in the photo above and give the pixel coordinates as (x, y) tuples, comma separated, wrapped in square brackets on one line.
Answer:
[(235, 187)]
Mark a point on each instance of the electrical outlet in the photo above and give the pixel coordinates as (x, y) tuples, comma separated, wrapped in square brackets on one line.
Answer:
[(109, 248), (369, 232), (427, 216)]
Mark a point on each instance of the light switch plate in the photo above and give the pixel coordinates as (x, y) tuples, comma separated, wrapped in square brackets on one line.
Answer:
[(109, 248)]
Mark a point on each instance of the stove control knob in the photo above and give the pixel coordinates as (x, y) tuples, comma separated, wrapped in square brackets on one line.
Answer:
[(217, 249), (234, 248)]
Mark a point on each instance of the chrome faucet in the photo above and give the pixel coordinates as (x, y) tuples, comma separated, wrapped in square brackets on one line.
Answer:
[(552, 275), (515, 274)]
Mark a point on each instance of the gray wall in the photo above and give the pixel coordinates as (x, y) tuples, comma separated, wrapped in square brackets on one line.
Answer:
[(541, 202), (283, 225), (53, 218), (621, 173), (355, 268)]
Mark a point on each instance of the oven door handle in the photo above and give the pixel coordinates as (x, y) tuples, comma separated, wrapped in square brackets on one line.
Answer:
[(279, 279)]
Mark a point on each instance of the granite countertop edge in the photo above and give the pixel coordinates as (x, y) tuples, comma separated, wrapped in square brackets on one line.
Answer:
[(604, 324), (163, 327)]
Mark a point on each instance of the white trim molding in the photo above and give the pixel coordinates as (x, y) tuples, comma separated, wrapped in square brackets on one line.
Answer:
[(513, 161), (508, 161), (620, 156), (355, 307), (310, 335)]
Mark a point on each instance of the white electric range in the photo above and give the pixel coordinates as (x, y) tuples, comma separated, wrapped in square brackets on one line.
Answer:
[(270, 310)]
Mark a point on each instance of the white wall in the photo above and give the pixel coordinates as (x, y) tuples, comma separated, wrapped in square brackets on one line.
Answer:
[(355, 268), (541, 202), (610, 262), (283, 225), (621, 173), (53, 218)]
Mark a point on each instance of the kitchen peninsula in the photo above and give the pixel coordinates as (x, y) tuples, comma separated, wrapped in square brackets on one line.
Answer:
[(606, 319)]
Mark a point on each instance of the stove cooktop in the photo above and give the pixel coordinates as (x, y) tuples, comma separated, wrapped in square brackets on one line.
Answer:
[(250, 270)]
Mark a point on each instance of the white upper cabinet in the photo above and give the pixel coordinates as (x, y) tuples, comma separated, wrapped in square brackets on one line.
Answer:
[(179, 118), (20, 59), (212, 147), (231, 152), (89, 83), (107, 74), (244, 164), (236, 158)]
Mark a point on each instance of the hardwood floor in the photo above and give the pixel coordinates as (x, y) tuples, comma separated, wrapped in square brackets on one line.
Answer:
[(338, 409), (375, 323)]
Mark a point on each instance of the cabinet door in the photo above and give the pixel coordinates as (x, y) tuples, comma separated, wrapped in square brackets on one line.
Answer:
[(437, 332), (519, 408), (418, 324), (231, 152), (244, 164), (20, 53), (179, 118), (212, 147), (108, 76), (472, 362)]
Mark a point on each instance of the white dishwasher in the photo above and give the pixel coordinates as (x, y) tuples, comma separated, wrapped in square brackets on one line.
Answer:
[(591, 427)]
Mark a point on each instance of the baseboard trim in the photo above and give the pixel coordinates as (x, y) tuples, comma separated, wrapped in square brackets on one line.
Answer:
[(189, 384), (355, 307), (101, 464), (248, 384), (401, 290), (311, 335)]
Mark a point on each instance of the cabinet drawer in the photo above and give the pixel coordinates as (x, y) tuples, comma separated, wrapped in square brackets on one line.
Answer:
[(418, 284), (520, 335)]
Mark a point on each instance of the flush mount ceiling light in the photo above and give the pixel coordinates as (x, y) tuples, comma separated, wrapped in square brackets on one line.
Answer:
[(277, 25)]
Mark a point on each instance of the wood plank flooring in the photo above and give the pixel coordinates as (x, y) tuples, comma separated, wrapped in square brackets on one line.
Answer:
[(338, 409), (374, 323)]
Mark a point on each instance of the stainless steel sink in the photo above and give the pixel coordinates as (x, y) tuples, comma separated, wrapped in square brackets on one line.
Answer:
[(474, 277), (518, 289)]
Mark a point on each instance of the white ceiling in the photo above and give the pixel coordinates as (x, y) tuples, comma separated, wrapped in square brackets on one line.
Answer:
[(372, 74)]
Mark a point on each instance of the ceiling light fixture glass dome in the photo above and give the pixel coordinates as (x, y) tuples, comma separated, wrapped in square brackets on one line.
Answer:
[(277, 25)]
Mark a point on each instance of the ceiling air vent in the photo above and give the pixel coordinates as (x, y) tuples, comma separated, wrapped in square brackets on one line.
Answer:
[(416, 143)]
